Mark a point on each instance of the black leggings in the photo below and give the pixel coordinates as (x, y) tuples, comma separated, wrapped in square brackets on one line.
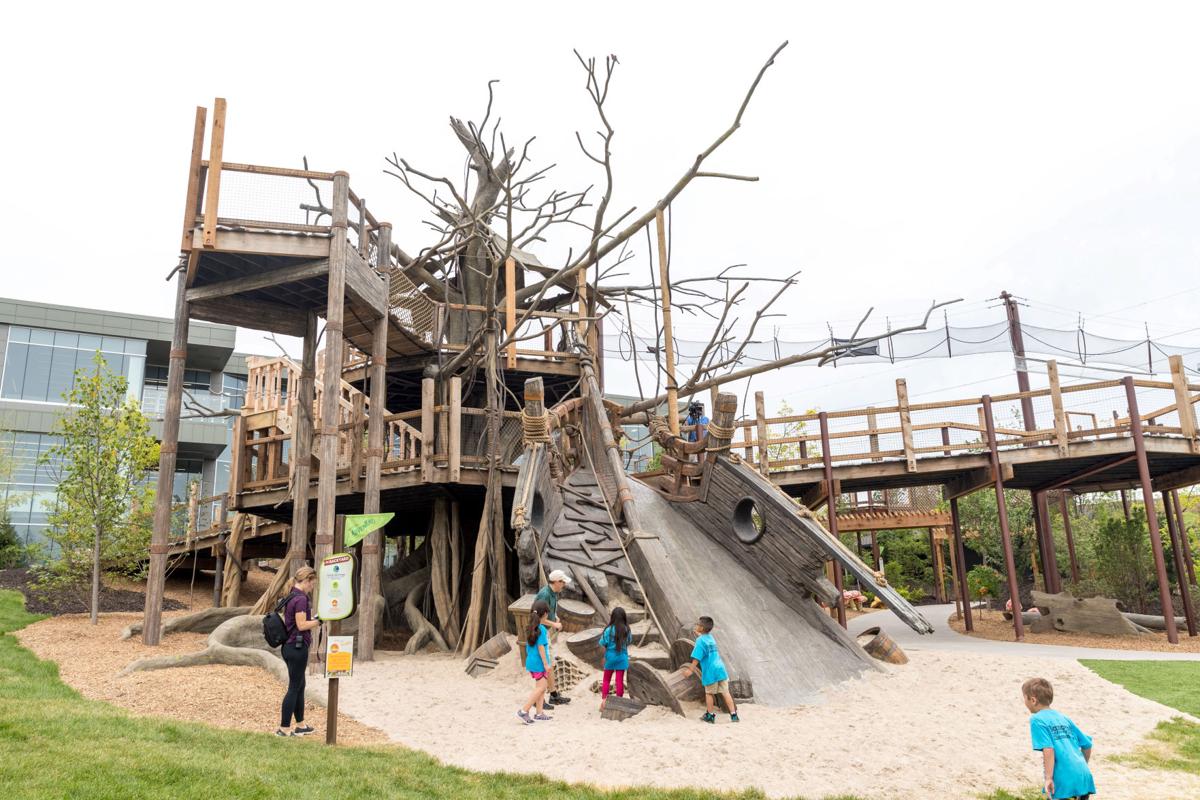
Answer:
[(296, 659)]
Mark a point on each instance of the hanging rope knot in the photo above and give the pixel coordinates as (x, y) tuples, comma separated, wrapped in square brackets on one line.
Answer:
[(535, 428), (716, 431)]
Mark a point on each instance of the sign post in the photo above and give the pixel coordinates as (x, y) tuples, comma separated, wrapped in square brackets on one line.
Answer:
[(335, 602)]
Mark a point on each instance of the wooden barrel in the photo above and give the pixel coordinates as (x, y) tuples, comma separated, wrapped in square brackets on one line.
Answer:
[(493, 648), (620, 708), (681, 651), (575, 615), (683, 686), (881, 646), (585, 645)]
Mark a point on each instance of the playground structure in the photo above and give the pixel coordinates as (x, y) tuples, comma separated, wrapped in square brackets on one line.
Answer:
[(724, 527)]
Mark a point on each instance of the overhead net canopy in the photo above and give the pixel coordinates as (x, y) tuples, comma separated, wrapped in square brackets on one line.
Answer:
[(947, 341)]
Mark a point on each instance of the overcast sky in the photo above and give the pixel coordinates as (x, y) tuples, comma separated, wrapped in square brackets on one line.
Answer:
[(907, 152)]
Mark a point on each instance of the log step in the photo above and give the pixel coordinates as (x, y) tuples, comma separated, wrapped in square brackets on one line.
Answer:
[(651, 654)]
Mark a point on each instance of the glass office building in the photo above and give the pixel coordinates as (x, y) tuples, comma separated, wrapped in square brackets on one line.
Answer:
[(43, 346)]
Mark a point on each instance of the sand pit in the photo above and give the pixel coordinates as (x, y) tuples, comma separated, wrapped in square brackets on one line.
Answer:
[(945, 722)]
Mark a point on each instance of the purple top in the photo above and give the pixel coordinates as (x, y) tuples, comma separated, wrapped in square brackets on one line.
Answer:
[(296, 603)]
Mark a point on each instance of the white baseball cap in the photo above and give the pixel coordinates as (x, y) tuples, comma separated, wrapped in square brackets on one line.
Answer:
[(558, 575)]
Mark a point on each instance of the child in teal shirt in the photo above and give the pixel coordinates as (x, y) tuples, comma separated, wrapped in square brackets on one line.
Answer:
[(708, 661), (1066, 750)]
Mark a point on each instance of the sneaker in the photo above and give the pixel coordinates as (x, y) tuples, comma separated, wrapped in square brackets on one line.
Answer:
[(304, 730), (280, 732), (734, 717), (542, 718), (525, 717), (559, 700), (709, 717)]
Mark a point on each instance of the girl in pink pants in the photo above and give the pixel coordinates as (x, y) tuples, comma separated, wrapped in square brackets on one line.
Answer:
[(615, 640)]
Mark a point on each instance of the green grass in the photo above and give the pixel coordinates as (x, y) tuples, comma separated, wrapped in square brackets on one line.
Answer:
[(1174, 744), (56, 744)]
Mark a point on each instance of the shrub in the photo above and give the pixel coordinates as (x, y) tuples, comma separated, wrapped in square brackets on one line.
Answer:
[(984, 582)]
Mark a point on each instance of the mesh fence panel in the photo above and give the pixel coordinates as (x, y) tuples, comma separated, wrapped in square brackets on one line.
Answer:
[(263, 198)]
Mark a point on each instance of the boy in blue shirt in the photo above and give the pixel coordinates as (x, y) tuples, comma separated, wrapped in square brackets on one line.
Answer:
[(1066, 750), (712, 671)]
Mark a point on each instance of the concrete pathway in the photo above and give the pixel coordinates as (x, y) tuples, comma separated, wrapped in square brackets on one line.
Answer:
[(945, 638)]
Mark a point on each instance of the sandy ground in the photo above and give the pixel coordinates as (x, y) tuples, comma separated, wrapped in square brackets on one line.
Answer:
[(244, 698), (995, 626), (943, 723)]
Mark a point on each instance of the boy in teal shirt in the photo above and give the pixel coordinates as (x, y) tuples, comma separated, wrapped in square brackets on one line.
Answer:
[(712, 670), (1066, 750)]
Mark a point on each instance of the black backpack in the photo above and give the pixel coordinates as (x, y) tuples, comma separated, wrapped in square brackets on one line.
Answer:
[(275, 629)]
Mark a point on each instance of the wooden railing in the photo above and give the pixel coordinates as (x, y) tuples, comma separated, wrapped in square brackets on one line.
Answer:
[(1064, 414)]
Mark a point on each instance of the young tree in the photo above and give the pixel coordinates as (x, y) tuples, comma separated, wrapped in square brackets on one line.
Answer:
[(1121, 552), (101, 519)]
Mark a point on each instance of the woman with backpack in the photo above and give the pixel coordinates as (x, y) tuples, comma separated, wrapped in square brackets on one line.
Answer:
[(298, 617)]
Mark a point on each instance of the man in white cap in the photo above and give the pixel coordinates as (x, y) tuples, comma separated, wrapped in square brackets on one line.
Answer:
[(557, 580)]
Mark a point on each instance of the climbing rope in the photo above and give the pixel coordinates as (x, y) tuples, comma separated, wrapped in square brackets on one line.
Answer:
[(535, 428), (715, 430)]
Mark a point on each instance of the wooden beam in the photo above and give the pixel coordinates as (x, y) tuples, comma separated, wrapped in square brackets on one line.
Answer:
[(1061, 429), (510, 309), (910, 458), (364, 284), (892, 520), (1087, 472), (974, 480), (873, 436), (257, 315), (428, 432), (216, 152), (814, 496), (760, 418), (191, 204), (1183, 402), (265, 244), (276, 277), (455, 444), (664, 277), (1178, 480)]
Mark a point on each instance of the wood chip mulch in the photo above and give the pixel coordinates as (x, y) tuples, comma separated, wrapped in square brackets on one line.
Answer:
[(994, 626), (89, 658)]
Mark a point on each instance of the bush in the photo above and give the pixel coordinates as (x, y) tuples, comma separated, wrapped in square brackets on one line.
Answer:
[(12, 552), (1121, 558), (984, 582)]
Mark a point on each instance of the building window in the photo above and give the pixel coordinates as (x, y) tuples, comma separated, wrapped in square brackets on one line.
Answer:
[(40, 364), (31, 487)]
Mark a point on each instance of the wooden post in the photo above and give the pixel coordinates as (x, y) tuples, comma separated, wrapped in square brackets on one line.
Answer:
[(910, 457), (760, 416), (1053, 580), (1010, 565), (510, 309), (831, 506), (302, 447), (1061, 428), (1156, 545), (218, 551), (664, 277), (372, 550), (873, 438), (955, 591), (1185, 591), (455, 443), (192, 204), (1183, 535), (1066, 518), (1183, 402), (216, 150), (960, 557), (358, 419), (875, 557), (331, 380), (152, 618), (428, 428)]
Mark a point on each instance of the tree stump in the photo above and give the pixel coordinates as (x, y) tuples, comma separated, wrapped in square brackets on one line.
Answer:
[(620, 708), (1069, 614)]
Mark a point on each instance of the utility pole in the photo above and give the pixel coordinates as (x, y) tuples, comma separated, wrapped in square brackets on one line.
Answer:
[(1041, 515)]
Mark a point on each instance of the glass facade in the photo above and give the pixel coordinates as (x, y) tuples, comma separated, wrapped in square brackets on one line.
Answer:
[(40, 364), (30, 488)]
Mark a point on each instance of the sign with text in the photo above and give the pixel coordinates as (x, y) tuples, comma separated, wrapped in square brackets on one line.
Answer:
[(335, 587), (359, 525), (339, 657)]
